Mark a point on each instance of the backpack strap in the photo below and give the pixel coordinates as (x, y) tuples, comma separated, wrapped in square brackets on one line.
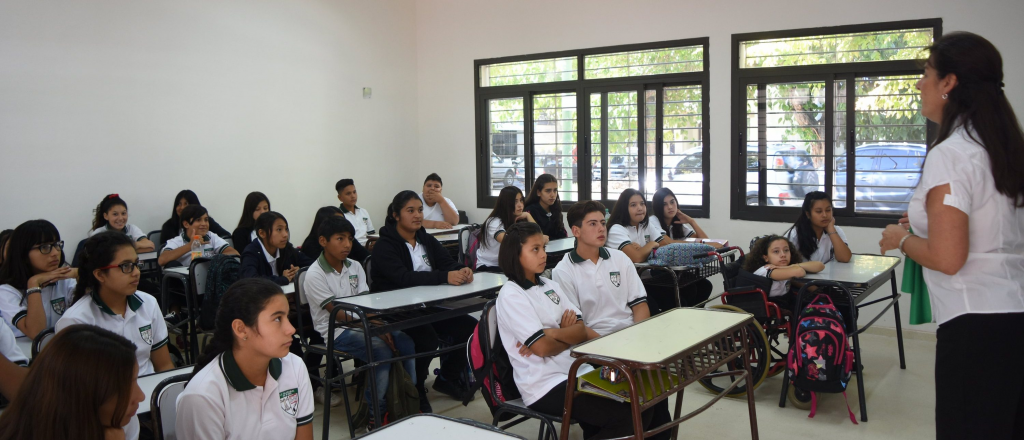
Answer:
[(848, 410)]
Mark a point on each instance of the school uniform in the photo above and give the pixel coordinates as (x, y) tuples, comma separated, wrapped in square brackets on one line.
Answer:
[(524, 311), (780, 293), (57, 297), (434, 212), (619, 236), (487, 256), (604, 292), (9, 347), (170, 229), (241, 237), (681, 232), (312, 249), (360, 219), (213, 246), (258, 263), (220, 403), (825, 252), (142, 323), (660, 288), (549, 224), (130, 230)]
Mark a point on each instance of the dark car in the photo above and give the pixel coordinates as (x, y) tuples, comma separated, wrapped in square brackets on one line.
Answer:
[(886, 175)]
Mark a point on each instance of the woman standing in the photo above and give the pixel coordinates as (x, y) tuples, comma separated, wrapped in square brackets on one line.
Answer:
[(969, 225)]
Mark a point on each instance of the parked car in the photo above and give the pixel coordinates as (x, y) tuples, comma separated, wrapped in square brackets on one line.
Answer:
[(790, 174), (506, 171), (621, 168), (886, 175)]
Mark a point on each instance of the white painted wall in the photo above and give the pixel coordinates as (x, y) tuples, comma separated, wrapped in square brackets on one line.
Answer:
[(148, 98), (450, 34)]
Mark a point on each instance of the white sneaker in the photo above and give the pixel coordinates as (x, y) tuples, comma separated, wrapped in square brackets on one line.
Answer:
[(319, 396)]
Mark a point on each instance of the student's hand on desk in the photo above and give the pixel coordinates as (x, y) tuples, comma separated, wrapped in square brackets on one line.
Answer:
[(568, 319), (457, 277), (469, 274), (290, 273), (524, 351)]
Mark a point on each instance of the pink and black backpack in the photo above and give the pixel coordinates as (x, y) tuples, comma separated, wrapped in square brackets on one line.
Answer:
[(820, 357)]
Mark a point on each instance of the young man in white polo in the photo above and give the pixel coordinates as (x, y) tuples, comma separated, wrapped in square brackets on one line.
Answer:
[(439, 212), (359, 217)]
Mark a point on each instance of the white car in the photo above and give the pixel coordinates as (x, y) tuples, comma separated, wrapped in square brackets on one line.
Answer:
[(506, 172)]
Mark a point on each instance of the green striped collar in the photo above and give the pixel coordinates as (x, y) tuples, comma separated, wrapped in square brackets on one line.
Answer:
[(327, 266), (134, 302), (234, 375), (576, 258)]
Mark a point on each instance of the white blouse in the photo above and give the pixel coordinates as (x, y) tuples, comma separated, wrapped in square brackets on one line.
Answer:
[(992, 278)]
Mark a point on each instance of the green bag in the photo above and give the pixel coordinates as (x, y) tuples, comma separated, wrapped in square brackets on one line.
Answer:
[(401, 396)]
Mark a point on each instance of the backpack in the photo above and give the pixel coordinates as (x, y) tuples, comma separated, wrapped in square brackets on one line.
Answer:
[(401, 397), (682, 254), (223, 272), (504, 387), (467, 253), (820, 357)]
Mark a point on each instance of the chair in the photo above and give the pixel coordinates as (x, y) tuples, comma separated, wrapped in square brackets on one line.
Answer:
[(231, 242), (155, 237), (366, 271), (197, 272), (43, 338), (164, 406), (77, 256), (465, 239), (516, 407), (463, 218)]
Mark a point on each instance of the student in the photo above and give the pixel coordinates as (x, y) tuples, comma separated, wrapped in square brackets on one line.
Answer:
[(246, 385), (672, 221), (437, 215), (311, 245), (538, 325), (406, 256), (335, 276), (172, 227), (271, 256), (112, 215), (106, 296), (508, 209), (84, 387), (815, 232), (359, 217), (256, 203), (776, 258), (36, 286), (12, 363), (5, 236), (546, 207), (194, 221)]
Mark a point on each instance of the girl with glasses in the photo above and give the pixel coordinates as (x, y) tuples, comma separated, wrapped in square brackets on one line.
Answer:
[(36, 282)]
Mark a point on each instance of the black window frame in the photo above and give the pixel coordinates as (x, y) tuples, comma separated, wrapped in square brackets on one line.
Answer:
[(582, 87), (742, 77)]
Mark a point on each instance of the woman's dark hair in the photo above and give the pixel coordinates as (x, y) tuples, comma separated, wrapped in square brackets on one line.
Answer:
[(82, 367), (265, 223), (395, 208), (98, 251), (5, 236), (504, 210), (251, 202), (579, 211), (755, 259), (620, 212), (978, 102), (806, 240), (189, 197), (322, 215), (512, 246), (658, 210), (16, 269), (556, 208), (191, 213), (108, 203), (336, 225), (244, 300)]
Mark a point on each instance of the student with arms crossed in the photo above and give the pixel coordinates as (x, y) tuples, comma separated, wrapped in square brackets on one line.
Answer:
[(194, 221), (36, 286), (256, 203), (334, 276), (359, 217), (406, 256), (112, 215), (439, 212), (246, 385), (538, 325)]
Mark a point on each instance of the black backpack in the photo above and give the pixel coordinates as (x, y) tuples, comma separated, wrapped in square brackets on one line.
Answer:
[(224, 271)]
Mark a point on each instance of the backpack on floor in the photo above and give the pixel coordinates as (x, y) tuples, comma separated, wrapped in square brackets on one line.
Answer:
[(504, 387), (820, 357), (682, 254), (224, 271)]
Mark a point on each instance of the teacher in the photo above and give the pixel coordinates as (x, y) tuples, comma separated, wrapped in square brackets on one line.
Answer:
[(968, 217)]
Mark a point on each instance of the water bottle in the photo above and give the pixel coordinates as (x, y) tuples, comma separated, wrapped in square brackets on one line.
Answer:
[(197, 247), (607, 214)]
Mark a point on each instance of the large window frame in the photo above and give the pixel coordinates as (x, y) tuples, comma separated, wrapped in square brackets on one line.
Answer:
[(829, 74), (582, 88)]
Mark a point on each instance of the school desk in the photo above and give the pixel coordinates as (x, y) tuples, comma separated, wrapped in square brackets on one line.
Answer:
[(438, 427)]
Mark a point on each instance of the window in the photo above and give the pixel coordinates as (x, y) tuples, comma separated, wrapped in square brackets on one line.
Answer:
[(807, 102), (600, 120)]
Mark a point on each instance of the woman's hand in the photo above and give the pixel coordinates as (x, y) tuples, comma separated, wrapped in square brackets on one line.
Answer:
[(891, 237), (905, 221), (568, 319), (458, 277), (524, 351), (46, 278), (290, 273), (830, 228), (682, 218)]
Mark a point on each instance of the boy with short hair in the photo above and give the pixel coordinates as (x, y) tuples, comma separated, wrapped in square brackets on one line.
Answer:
[(437, 215), (359, 217)]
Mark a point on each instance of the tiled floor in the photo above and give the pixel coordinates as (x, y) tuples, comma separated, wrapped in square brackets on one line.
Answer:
[(900, 404)]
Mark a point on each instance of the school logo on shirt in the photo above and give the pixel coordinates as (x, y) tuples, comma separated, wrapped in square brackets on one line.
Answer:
[(290, 401), (147, 333), (647, 237), (615, 278), (366, 222), (553, 296), (353, 280), (58, 305), (425, 259)]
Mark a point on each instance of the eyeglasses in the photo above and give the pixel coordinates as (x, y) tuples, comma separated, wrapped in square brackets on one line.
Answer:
[(126, 268), (46, 248)]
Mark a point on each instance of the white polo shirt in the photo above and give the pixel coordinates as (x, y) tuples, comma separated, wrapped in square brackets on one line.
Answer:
[(56, 297), (605, 292), (323, 284), (220, 403), (9, 347), (213, 246), (779, 288), (420, 262), (130, 230), (360, 220), (824, 253), (656, 225), (619, 236), (434, 212), (523, 314), (142, 323), (488, 256), (271, 259)]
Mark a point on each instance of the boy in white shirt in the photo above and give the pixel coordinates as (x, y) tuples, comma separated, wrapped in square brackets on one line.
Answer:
[(359, 217), (439, 212), (196, 222)]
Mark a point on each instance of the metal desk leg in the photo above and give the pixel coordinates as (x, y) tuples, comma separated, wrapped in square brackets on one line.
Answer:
[(860, 379), (749, 384), (899, 326)]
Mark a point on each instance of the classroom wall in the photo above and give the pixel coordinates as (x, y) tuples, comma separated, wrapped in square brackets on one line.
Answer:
[(450, 34), (147, 98)]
